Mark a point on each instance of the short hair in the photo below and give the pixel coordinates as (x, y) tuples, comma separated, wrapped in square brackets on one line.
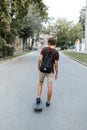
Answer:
[(51, 41)]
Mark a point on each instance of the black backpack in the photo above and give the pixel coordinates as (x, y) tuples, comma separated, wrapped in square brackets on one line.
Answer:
[(47, 62)]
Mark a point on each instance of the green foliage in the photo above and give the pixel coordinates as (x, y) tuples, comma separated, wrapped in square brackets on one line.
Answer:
[(82, 19), (13, 14), (5, 48), (26, 32), (41, 7), (62, 32), (33, 22), (2, 42), (76, 32), (10, 51), (65, 32), (5, 17)]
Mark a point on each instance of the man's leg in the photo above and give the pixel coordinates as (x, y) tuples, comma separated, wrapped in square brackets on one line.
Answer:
[(39, 89), (50, 78), (40, 85), (49, 93)]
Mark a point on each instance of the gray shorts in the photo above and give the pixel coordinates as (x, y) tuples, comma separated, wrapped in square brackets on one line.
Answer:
[(50, 76)]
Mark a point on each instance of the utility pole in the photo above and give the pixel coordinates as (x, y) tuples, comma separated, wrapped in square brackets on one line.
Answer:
[(86, 27)]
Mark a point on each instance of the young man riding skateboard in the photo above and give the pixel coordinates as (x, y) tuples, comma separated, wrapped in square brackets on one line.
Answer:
[(50, 76)]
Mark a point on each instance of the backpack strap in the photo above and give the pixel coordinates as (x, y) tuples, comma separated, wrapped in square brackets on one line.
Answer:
[(47, 50)]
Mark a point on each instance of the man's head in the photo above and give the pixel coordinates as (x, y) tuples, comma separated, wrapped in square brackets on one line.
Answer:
[(51, 41)]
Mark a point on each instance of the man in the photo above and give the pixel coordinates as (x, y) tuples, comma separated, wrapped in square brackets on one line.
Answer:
[(50, 76)]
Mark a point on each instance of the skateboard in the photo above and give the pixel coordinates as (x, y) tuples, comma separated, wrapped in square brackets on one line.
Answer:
[(38, 107)]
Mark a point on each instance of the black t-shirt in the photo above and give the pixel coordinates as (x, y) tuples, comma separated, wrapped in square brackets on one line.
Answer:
[(43, 52)]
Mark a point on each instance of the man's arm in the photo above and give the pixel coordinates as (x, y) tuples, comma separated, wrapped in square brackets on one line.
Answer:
[(56, 69), (39, 61)]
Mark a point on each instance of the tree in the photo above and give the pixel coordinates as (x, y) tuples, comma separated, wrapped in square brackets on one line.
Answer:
[(62, 29), (13, 14), (25, 33), (82, 19), (33, 23), (76, 32), (5, 17), (65, 32)]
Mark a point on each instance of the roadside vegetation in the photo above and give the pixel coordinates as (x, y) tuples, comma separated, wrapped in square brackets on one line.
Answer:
[(15, 55), (67, 32), (28, 19), (20, 18), (82, 57)]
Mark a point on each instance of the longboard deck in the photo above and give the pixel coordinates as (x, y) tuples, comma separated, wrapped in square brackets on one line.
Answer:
[(38, 107)]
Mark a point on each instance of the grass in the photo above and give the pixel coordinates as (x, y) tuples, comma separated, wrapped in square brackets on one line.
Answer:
[(82, 57), (15, 55)]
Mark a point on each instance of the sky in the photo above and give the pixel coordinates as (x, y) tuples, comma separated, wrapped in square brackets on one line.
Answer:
[(69, 9)]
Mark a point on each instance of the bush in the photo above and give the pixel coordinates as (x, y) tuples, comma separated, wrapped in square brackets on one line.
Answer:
[(5, 49), (10, 51), (2, 42), (65, 47)]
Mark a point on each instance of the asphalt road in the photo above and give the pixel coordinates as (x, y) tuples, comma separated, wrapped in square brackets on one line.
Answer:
[(18, 90)]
